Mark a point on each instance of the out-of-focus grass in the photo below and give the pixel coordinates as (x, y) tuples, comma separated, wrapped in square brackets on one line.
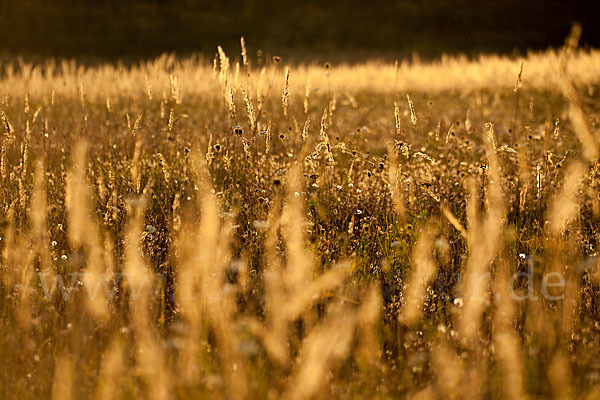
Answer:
[(322, 254)]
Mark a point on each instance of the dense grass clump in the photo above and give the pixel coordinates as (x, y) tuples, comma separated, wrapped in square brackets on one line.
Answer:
[(248, 229)]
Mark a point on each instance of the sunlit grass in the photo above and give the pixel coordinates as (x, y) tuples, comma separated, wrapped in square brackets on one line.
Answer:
[(230, 229)]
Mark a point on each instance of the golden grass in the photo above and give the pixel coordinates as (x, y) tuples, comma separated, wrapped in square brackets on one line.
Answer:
[(180, 229)]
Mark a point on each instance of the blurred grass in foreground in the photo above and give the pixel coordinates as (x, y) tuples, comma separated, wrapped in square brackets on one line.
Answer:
[(182, 229)]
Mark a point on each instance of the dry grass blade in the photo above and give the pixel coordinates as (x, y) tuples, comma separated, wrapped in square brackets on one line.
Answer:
[(564, 207), (416, 286)]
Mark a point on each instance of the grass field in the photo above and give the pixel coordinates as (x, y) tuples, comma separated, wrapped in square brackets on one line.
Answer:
[(245, 228)]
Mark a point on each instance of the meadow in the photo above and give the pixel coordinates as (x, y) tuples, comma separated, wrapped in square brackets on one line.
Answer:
[(248, 227)]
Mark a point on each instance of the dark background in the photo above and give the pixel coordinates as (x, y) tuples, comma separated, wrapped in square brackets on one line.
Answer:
[(129, 30)]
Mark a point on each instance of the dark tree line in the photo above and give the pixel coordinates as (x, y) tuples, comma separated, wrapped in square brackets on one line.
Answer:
[(139, 28)]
